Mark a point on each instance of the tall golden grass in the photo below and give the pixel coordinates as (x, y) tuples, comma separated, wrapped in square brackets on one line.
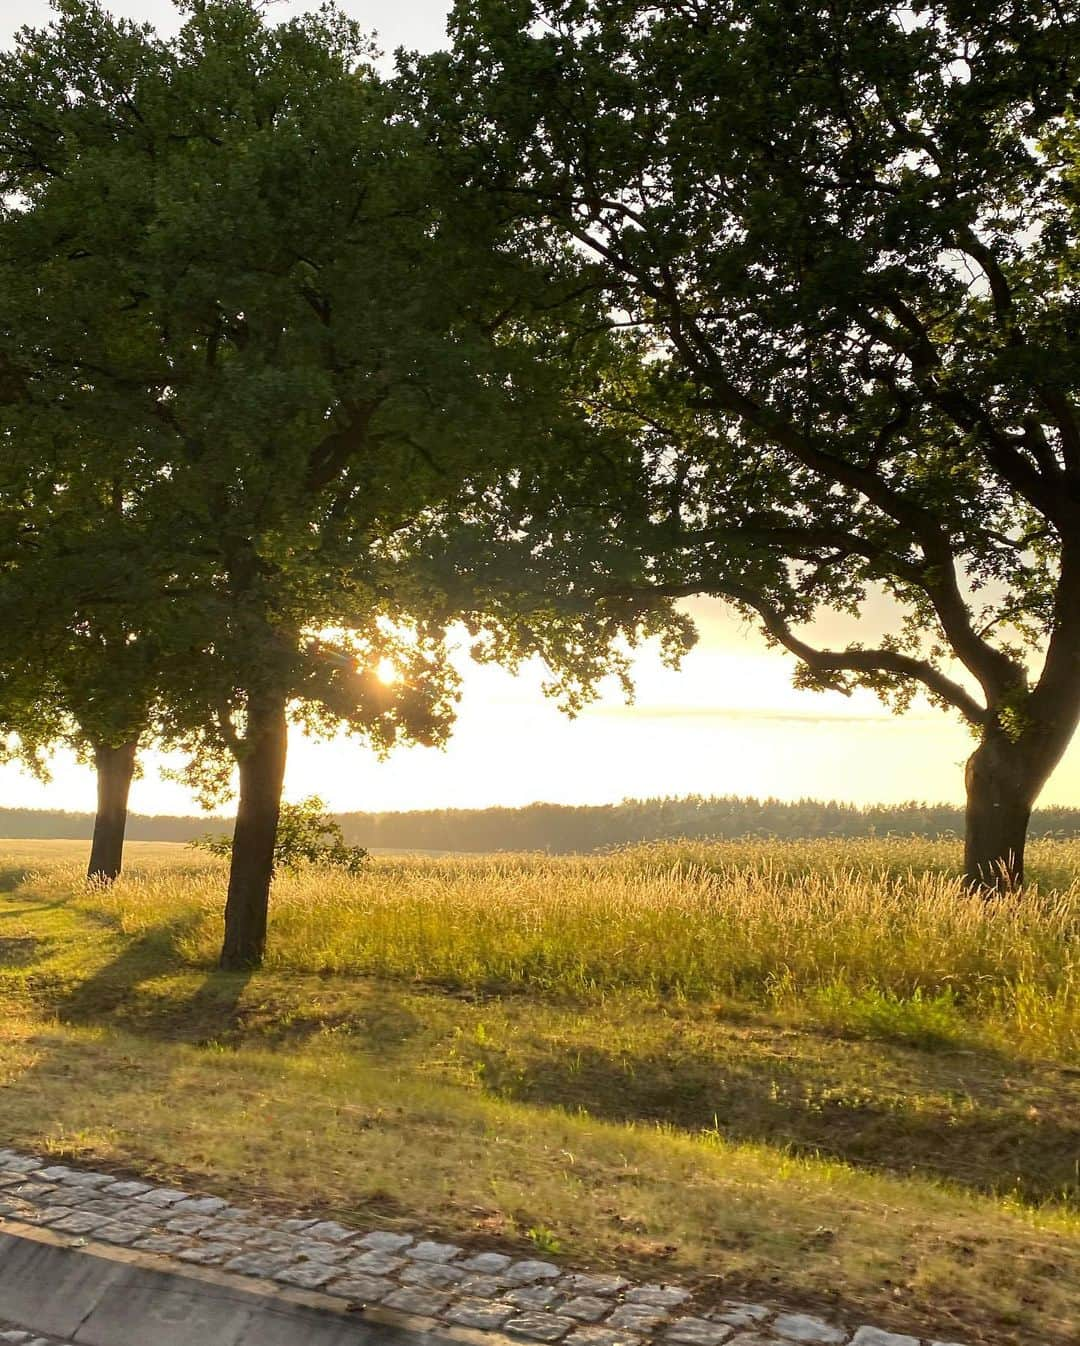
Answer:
[(875, 937)]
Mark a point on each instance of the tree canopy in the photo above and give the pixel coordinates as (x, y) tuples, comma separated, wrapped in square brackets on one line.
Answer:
[(243, 291), (847, 240)]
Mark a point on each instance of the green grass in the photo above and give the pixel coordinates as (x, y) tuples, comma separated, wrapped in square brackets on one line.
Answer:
[(867, 938), (816, 1072)]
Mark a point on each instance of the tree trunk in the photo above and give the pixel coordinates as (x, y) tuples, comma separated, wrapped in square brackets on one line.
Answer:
[(1002, 781), (115, 769), (262, 772)]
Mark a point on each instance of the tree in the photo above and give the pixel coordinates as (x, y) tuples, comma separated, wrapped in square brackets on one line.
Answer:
[(848, 238), (247, 278), (77, 670)]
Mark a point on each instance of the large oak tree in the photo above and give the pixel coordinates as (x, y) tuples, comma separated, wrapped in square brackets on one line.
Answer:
[(848, 236), (233, 265)]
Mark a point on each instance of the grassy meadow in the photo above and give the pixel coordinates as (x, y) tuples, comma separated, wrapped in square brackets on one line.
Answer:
[(817, 1072)]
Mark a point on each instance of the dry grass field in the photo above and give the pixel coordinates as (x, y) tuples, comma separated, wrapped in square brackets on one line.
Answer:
[(817, 1071)]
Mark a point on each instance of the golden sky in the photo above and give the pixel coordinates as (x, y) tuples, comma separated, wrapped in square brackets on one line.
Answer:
[(729, 722)]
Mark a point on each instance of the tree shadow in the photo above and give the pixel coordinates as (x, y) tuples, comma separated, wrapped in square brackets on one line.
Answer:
[(228, 1009), (112, 993), (985, 1144)]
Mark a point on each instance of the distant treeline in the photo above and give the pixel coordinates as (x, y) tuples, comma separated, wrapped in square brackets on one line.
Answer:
[(575, 827)]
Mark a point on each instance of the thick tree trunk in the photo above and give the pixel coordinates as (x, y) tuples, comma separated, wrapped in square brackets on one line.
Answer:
[(999, 800), (115, 769), (262, 772)]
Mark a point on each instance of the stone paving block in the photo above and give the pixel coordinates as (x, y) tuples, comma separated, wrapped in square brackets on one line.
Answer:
[(643, 1318), (427, 1251), (44, 1214), (663, 1296), (585, 1308), (14, 1335), (147, 1216), (295, 1226), (802, 1327), (256, 1264), (161, 1243), (482, 1287), (739, 1314), (490, 1264), (382, 1240), (533, 1297), (162, 1196), (271, 1241), (187, 1224), (329, 1231), (755, 1339), (540, 1326), (51, 1174), (208, 1254), (100, 1205), (363, 1289), (200, 1205), (32, 1191), (78, 1222), (24, 1166), (875, 1336), (426, 1303), (241, 1213), (697, 1332), (86, 1179), (524, 1273), (327, 1253), (127, 1189), (479, 1313), (308, 1275), (601, 1335), (376, 1263), (228, 1232), (431, 1276), (583, 1283), (123, 1234)]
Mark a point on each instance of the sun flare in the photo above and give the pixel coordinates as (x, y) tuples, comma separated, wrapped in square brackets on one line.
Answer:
[(387, 671)]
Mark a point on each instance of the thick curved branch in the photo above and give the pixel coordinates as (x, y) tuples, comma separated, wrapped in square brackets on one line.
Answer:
[(830, 661)]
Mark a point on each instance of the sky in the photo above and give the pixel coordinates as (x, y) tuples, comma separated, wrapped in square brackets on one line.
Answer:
[(728, 722)]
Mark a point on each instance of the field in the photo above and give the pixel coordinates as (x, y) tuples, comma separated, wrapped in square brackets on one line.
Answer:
[(817, 1072)]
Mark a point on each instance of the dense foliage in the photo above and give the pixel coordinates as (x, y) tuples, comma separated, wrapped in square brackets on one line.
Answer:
[(847, 238)]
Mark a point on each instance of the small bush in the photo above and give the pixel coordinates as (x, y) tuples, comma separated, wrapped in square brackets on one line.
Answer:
[(306, 835)]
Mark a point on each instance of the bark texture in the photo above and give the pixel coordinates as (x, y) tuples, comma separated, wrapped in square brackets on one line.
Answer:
[(1000, 794), (115, 768), (262, 773)]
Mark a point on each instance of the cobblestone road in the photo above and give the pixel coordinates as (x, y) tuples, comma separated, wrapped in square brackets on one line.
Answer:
[(528, 1298)]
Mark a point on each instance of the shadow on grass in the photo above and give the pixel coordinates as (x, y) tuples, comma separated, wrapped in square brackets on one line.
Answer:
[(11, 876), (996, 1143), (113, 992)]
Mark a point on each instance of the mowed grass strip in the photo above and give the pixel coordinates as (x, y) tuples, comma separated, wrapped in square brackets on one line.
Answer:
[(754, 1139)]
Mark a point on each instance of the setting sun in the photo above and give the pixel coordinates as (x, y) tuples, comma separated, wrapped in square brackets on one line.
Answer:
[(387, 671)]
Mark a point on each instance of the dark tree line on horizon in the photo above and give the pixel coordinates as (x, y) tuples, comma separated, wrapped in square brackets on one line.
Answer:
[(567, 828), (608, 305)]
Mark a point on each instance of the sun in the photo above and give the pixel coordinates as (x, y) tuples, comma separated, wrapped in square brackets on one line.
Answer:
[(387, 671)]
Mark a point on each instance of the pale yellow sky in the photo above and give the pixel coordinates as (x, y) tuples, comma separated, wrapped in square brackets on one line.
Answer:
[(728, 723)]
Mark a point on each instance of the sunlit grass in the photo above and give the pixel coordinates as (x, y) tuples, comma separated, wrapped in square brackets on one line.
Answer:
[(819, 1072), (869, 937)]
